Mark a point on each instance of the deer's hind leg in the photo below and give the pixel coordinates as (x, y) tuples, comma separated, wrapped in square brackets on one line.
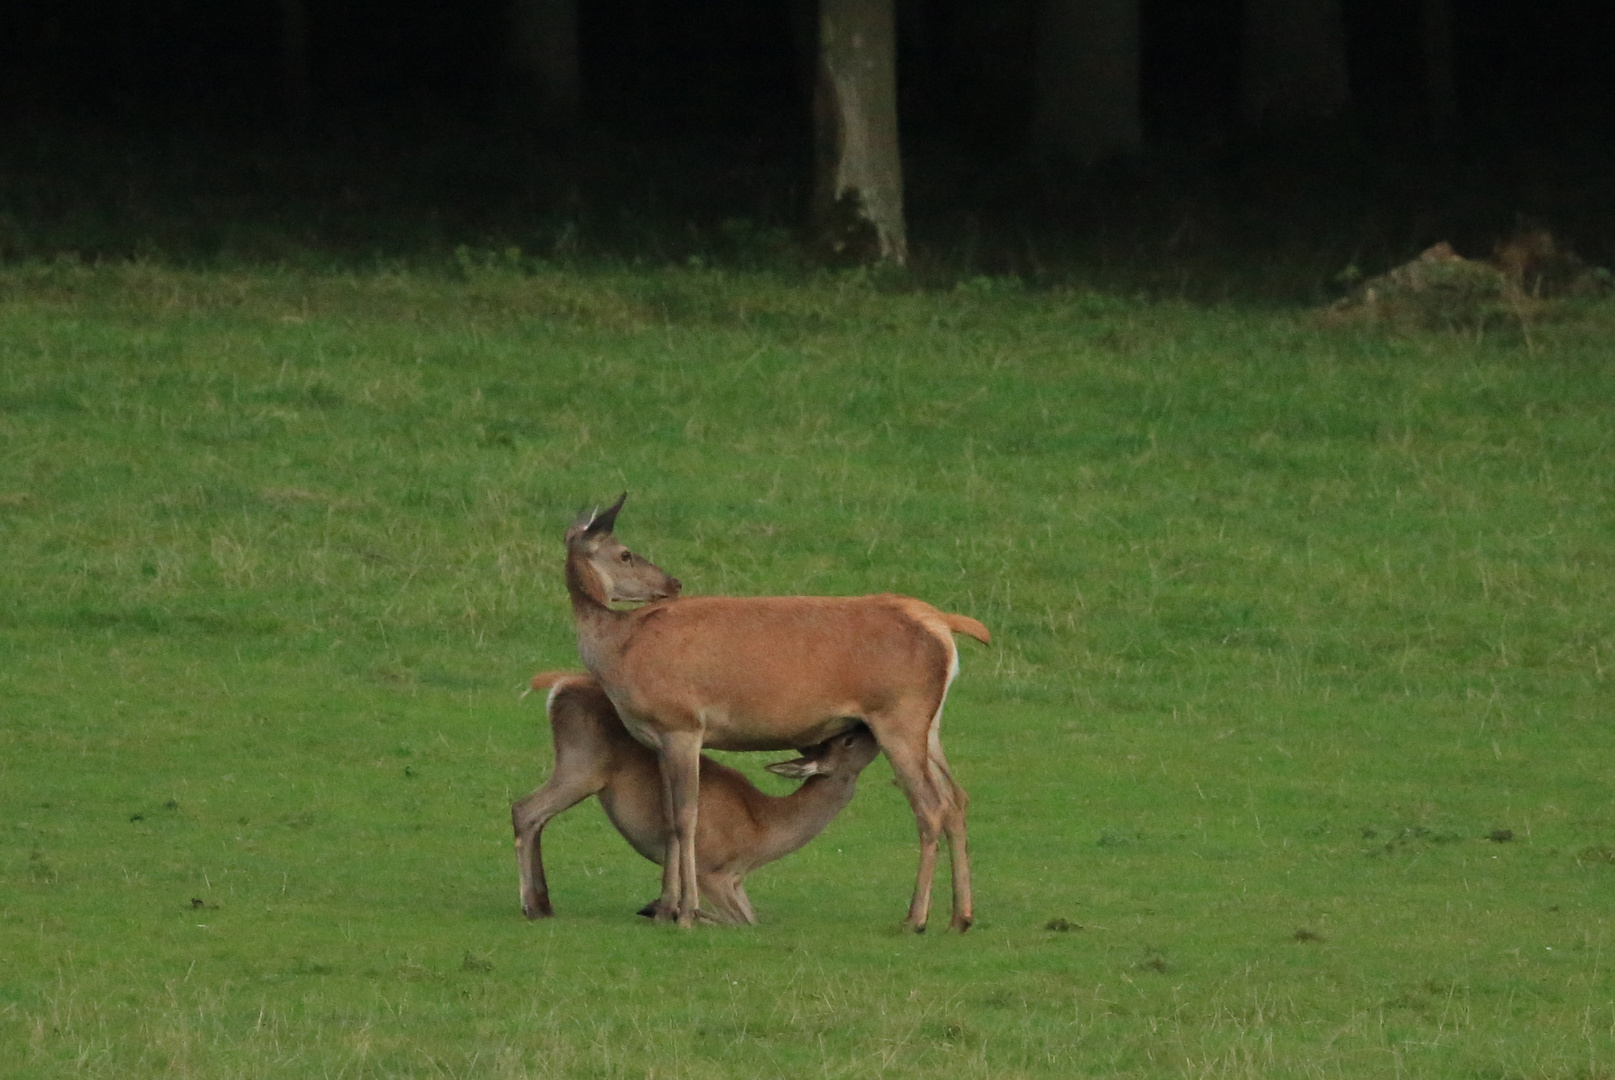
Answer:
[(528, 817), (723, 896), (953, 823), (930, 805), (585, 731)]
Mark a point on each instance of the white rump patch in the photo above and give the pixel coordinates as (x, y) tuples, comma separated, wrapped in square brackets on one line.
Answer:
[(933, 736), (549, 700)]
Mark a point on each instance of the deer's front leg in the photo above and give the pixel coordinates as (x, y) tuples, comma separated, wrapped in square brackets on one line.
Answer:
[(665, 907), (681, 782)]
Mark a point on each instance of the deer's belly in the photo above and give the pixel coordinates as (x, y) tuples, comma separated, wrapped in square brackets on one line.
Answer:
[(723, 733)]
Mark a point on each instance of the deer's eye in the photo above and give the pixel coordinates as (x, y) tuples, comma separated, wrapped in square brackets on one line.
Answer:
[(627, 556)]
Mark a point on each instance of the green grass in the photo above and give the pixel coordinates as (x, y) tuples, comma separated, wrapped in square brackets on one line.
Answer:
[(1292, 756)]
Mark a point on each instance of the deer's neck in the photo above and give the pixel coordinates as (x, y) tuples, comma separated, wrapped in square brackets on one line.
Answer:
[(599, 627), (796, 818)]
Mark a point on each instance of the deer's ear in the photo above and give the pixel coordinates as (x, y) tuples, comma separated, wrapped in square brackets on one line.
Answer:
[(798, 769), (606, 520)]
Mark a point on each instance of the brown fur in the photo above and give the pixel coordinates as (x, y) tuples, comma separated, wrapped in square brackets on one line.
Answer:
[(769, 673), (741, 828)]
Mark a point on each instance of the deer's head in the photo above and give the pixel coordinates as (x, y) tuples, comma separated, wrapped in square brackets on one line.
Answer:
[(593, 552)]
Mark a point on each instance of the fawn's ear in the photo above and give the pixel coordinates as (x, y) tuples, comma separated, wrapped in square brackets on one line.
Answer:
[(606, 520), (798, 769)]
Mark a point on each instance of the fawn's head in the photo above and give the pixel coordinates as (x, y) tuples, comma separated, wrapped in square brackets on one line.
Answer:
[(840, 755)]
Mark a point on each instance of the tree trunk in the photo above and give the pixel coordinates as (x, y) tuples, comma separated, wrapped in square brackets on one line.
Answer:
[(544, 50), (1087, 79), (296, 82), (1295, 61), (1440, 87), (858, 190)]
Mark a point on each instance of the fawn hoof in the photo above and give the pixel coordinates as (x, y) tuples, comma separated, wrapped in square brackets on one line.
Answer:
[(650, 910), (964, 923)]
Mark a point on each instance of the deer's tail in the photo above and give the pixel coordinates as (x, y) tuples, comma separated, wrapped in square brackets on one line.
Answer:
[(964, 624), (545, 680)]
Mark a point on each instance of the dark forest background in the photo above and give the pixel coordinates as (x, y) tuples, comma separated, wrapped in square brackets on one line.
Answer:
[(162, 128)]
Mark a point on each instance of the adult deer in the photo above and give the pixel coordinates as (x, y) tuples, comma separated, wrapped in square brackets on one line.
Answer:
[(769, 673), (741, 828)]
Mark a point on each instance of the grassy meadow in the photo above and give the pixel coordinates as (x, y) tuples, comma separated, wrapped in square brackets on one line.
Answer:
[(1293, 755)]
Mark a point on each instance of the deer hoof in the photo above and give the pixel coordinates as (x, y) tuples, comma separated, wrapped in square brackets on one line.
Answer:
[(539, 910), (658, 911)]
